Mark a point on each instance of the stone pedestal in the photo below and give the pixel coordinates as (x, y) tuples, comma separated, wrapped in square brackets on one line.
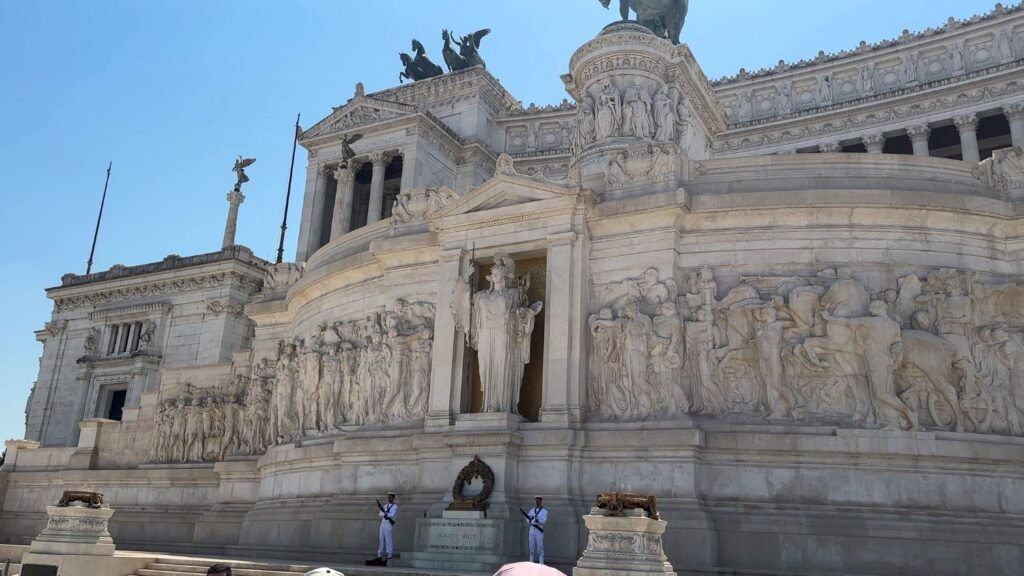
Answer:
[(465, 541), (75, 530), (628, 545)]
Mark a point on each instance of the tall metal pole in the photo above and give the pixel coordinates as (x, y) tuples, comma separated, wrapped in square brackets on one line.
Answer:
[(92, 251), (288, 195)]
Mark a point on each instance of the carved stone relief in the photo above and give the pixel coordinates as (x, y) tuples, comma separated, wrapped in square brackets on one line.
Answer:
[(942, 350)]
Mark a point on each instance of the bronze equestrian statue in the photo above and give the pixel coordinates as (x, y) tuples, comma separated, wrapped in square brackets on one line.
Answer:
[(420, 67), (663, 17)]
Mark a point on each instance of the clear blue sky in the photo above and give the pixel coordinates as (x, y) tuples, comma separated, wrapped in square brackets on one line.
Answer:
[(172, 91)]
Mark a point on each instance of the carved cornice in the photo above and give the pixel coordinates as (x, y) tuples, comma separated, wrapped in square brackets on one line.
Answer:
[(171, 286), (139, 309), (952, 25), (443, 90), (951, 98)]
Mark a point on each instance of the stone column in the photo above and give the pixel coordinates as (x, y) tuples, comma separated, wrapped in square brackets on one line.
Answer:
[(1015, 115), (376, 209), (830, 148), (919, 138), (968, 127), (449, 347), (235, 199), (874, 143), (341, 219), (564, 325), (312, 212)]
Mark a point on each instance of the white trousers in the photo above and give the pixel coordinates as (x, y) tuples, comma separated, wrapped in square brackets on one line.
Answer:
[(386, 545), (536, 545)]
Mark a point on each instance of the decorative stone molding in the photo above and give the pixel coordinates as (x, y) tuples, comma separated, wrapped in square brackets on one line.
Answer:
[(1004, 170), (55, 328), (217, 308), (246, 282), (419, 204), (879, 115), (161, 308)]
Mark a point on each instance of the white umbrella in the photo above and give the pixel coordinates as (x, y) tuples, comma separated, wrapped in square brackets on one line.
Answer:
[(323, 572), (527, 569)]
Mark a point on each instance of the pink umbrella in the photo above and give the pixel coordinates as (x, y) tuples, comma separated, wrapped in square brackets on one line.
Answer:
[(527, 569)]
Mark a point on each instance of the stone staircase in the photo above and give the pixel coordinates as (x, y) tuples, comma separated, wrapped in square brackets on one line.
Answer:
[(189, 566)]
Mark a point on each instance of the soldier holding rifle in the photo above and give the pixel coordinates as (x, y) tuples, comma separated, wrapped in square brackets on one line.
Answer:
[(388, 515), (536, 519)]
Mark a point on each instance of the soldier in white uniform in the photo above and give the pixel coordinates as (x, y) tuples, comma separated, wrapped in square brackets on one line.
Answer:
[(388, 515), (537, 517)]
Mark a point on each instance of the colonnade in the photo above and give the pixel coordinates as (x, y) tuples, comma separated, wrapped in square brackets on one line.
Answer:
[(966, 126)]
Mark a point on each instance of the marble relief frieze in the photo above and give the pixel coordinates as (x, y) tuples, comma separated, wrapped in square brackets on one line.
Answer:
[(938, 350)]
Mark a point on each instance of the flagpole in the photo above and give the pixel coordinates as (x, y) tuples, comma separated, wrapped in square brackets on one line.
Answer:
[(288, 195), (92, 251)]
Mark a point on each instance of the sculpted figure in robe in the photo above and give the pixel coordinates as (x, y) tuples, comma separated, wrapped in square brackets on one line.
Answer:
[(665, 117), (502, 325), (638, 102), (609, 112)]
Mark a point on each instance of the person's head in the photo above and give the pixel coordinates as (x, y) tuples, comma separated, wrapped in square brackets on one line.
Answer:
[(391, 497), (219, 570), (538, 501)]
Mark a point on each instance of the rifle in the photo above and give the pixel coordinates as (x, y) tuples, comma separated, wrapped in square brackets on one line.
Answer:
[(532, 525), (386, 517)]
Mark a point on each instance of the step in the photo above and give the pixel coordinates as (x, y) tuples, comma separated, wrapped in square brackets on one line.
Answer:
[(190, 566), (197, 568)]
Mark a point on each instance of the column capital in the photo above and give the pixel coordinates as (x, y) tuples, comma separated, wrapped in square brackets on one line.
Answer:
[(830, 147), (919, 132), (236, 197), (380, 159), (873, 142), (343, 173), (966, 122), (1014, 111)]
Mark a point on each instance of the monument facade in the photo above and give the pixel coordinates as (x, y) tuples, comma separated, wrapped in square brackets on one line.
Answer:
[(788, 303)]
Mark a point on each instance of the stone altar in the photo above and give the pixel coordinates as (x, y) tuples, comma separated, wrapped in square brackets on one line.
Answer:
[(623, 543), (465, 537), (75, 529)]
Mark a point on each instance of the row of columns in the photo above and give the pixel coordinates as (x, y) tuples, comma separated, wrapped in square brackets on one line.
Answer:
[(345, 175), (966, 125)]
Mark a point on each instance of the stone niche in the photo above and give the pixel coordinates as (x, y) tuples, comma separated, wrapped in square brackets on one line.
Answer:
[(531, 393)]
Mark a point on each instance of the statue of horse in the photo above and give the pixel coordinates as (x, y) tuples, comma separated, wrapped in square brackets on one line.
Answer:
[(663, 17), (420, 67)]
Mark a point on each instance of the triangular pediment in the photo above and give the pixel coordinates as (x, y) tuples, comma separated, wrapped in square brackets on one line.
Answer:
[(509, 190), (358, 112)]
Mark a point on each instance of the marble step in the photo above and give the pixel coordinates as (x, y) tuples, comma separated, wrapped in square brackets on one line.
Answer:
[(161, 569), (179, 566)]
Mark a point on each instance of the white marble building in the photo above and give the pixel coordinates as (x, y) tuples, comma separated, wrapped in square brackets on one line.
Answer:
[(789, 303)]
